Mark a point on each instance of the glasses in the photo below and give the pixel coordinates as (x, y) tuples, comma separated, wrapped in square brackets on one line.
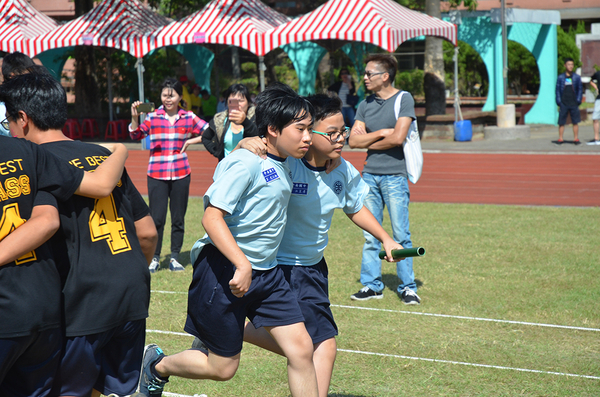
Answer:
[(370, 74), (335, 136), (5, 123)]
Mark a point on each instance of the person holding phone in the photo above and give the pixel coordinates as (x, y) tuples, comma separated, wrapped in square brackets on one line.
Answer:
[(168, 169), (230, 126)]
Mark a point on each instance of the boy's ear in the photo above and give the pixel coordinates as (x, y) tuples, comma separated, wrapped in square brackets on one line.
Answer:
[(272, 131), (22, 119)]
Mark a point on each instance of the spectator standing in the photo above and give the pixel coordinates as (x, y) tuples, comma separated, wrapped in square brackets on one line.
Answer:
[(229, 127), (196, 99), (209, 105), (168, 169), (13, 63), (595, 82), (569, 91), (186, 96), (346, 90), (377, 130)]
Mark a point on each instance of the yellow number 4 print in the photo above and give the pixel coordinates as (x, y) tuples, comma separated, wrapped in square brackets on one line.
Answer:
[(105, 224), (11, 219)]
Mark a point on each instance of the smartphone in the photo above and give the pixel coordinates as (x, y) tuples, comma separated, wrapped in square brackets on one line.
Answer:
[(145, 107), (233, 104)]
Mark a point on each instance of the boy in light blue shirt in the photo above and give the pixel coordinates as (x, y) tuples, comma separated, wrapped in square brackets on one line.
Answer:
[(315, 196), (235, 273)]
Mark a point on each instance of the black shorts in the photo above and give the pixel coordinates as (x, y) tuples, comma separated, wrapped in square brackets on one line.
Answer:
[(217, 317), (564, 110), (311, 287), (109, 361), (28, 364)]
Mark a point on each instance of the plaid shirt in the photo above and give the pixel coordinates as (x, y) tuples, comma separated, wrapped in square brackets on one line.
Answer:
[(166, 141)]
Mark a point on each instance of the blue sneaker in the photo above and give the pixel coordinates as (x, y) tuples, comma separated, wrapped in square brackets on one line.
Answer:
[(150, 385)]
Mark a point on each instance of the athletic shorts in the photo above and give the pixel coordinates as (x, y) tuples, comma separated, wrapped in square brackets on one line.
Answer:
[(562, 115), (311, 287), (109, 361), (28, 364), (596, 114), (217, 317)]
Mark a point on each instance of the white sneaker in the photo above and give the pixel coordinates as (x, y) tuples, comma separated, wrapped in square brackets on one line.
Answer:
[(593, 143), (154, 265), (175, 266)]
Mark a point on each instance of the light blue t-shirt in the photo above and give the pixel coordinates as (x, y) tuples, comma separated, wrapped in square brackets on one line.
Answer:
[(315, 195), (231, 140), (255, 194), (2, 117)]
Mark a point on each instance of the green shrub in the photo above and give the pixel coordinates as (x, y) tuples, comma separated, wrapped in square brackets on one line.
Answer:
[(411, 81)]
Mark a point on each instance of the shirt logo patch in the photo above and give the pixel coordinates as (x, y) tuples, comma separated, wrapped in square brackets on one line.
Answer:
[(338, 187), (270, 175), (300, 188)]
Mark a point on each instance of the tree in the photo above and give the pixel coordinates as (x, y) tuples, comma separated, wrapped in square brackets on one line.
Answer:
[(177, 8), (87, 99)]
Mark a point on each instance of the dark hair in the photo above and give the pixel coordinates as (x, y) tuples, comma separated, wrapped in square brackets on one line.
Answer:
[(325, 105), (389, 63), (40, 96), (172, 83), (237, 89), (205, 92), (277, 106), (569, 60), (15, 64), (342, 70)]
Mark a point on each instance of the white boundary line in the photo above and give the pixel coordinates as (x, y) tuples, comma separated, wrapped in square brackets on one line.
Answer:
[(445, 316), (433, 360)]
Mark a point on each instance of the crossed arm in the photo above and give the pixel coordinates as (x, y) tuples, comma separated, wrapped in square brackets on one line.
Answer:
[(383, 139)]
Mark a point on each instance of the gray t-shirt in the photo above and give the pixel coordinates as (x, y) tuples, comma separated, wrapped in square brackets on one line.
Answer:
[(377, 114)]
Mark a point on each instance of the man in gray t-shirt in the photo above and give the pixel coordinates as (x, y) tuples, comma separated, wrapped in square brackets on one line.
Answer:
[(377, 129)]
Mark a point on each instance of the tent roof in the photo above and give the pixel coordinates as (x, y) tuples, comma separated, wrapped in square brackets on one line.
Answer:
[(20, 22), (120, 24), (381, 22), (241, 23)]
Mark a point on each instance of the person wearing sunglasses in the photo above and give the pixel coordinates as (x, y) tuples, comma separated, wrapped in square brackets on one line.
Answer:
[(377, 130)]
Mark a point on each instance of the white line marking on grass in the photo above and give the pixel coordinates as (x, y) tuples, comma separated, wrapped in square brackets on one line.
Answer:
[(470, 318), (493, 320), (433, 360)]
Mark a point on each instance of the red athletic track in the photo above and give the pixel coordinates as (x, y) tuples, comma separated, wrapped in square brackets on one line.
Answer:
[(521, 179)]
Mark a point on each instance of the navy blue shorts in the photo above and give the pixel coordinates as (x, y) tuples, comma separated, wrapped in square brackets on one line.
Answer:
[(28, 364), (562, 115), (109, 361), (311, 287), (217, 317)]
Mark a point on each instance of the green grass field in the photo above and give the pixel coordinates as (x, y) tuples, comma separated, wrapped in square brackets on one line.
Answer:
[(532, 266)]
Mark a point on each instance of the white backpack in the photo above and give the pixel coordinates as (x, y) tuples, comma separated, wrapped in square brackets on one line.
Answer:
[(413, 154)]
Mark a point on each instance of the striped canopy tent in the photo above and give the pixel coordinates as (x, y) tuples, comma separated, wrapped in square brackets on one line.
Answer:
[(383, 23), (240, 23), (19, 23), (119, 24)]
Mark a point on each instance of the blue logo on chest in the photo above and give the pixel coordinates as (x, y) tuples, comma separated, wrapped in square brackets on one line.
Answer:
[(270, 175), (300, 188)]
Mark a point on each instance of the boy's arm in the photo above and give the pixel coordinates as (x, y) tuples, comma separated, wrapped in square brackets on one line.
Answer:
[(256, 145), (147, 236), (214, 224), (102, 181), (44, 222), (366, 221)]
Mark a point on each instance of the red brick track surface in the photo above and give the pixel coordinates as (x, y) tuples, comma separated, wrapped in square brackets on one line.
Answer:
[(521, 179)]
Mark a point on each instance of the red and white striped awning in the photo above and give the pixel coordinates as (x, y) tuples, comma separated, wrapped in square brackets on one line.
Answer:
[(121, 24), (19, 23), (384, 23), (241, 23)]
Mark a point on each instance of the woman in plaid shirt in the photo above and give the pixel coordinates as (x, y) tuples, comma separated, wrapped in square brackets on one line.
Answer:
[(168, 169)]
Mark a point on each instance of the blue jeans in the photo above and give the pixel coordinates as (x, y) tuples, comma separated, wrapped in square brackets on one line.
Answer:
[(391, 191), (348, 113)]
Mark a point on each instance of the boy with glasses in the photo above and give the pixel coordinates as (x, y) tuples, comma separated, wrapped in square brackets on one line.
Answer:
[(315, 195), (378, 129)]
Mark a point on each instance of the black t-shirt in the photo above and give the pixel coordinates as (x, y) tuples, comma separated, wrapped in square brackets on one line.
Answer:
[(568, 96), (105, 274), (30, 286), (596, 79)]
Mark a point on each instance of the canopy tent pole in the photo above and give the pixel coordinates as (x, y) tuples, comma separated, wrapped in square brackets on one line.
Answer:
[(110, 91), (261, 72), (140, 72), (456, 104)]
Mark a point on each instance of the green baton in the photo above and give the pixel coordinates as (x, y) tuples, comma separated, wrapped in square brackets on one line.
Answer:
[(405, 253)]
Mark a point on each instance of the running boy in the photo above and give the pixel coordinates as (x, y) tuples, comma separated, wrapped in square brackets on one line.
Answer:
[(30, 336), (300, 257), (235, 273), (97, 250)]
